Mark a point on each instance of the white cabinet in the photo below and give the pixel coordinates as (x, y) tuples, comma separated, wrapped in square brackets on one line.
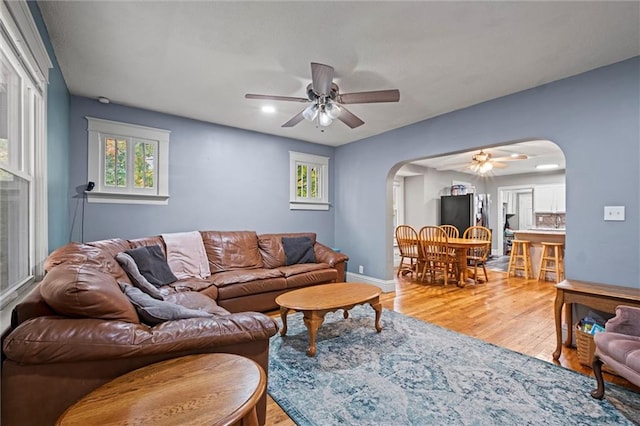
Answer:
[(509, 199), (549, 198)]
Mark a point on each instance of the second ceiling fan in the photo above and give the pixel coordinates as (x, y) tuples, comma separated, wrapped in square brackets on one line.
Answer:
[(327, 103), (482, 162)]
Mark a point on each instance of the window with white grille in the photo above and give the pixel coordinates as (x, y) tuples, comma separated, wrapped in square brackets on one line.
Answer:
[(127, 163), (309, 182), (24, 66)]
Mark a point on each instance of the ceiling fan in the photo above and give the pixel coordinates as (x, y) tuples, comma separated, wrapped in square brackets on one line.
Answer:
[(483, 162), (327, 103)]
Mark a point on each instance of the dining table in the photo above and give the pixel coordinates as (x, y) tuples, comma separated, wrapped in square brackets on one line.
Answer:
[(461, 247)]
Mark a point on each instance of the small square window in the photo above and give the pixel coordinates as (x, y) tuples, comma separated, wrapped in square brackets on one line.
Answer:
[(309, 182), (128, 163)]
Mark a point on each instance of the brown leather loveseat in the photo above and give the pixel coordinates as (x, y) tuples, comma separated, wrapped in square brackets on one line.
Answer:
[(78, 330)]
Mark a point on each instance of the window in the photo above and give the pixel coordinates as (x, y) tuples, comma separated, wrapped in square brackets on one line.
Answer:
[(128, 163), (24, 67), (309, 182)]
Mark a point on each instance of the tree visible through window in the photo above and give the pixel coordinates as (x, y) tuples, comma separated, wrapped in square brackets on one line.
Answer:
[(128, 163), (310, 177), (144, 168)]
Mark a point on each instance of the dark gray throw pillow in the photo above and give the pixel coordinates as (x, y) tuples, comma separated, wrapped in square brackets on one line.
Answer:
[(130, 267), (152, 311), (152, 265), (298, 250)]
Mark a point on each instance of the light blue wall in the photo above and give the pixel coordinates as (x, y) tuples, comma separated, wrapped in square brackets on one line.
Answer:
[(221, 178), (594, 118), (57, 143)]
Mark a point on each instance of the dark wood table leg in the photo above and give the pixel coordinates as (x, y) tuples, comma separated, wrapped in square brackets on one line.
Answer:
[(377, 306), (558, 321), (283, 316), (568, 314)]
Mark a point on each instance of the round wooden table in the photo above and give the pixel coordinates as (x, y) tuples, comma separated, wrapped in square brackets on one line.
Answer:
[(211, 389), (316, 301)]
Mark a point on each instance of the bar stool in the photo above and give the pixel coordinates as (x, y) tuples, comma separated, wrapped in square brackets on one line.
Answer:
[(551, 252), (520, 258)]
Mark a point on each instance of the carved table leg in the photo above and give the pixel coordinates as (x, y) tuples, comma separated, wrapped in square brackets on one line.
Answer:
[(558, 320), (313, 320), (283, 316), (377, 306), (596, 365)]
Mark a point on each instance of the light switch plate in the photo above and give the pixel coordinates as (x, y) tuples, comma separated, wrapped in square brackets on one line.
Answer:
[(613, 212)]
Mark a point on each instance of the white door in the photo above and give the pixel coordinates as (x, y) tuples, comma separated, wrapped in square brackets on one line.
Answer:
[(525, 210)]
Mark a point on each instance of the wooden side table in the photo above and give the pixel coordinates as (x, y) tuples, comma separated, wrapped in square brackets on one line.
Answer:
[(597, 296), (211, 389)]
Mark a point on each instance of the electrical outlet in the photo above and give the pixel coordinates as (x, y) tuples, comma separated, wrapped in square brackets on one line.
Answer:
[(361, 269), (613, 212)]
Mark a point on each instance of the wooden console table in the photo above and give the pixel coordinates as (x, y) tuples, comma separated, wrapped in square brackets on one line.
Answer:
[(212, 389), (597, 296)]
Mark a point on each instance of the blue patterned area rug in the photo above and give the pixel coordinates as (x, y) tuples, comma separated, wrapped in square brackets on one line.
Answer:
[(416, 373)]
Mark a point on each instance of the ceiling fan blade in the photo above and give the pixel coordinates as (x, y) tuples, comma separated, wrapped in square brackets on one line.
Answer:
[(349, 118), (275, 98), (295, 120), (321, 77), (498, 165), (392, 95), (511, 158)]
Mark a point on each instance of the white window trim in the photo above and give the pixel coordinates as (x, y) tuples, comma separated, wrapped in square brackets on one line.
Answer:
[(299, 203), (21, 31), (100, 194)]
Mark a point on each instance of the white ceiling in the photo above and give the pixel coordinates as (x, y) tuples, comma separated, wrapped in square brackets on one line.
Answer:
[(538, 152), (198, 59)]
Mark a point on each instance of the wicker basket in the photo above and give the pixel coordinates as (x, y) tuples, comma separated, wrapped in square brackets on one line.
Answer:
[(586, 347)]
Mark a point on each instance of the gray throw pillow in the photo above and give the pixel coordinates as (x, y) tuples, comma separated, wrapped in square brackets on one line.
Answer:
[(130, 267), (152, 265), (152, 311), (298, 250)]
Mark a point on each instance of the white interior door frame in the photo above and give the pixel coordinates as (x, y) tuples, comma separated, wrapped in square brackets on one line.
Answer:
[(500, 217)]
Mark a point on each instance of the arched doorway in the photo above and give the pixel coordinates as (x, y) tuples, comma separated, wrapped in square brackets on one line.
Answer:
[(516, 187)]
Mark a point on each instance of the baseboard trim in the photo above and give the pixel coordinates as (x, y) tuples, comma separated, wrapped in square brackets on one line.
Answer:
[(387, 286)]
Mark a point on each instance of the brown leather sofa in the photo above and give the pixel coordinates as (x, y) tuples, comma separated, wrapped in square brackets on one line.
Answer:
[(77, 330)]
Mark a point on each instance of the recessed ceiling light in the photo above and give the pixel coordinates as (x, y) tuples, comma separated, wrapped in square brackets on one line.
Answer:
[(546, 166), (268, 109), (103, 100)]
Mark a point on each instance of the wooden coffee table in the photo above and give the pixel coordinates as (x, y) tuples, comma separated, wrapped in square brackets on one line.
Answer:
[(211, 389), (314, 303)]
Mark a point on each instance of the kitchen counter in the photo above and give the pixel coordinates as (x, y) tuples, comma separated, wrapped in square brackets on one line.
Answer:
[(537, 237)]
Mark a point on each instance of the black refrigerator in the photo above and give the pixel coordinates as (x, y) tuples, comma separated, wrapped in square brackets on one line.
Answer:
[(457, 210), (463, 211)]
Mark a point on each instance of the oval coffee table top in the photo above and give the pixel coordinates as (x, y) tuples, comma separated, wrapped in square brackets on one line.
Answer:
[(327, 296), (212, 389)]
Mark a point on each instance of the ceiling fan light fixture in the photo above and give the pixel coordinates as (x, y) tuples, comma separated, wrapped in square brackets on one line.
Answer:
[(485, 167), (311, 112), (324, 119), (332, 110)]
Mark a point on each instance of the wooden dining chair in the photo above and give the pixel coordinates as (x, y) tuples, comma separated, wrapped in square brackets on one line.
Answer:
[(477, 256), (407, 239), (451, 231), (437, 257)]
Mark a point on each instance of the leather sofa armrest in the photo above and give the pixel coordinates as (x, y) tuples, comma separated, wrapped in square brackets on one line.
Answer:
[(626, 321), (326, 255), (47, 340)]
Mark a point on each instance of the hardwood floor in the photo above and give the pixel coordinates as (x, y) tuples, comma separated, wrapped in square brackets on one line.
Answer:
[(513, 313)]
